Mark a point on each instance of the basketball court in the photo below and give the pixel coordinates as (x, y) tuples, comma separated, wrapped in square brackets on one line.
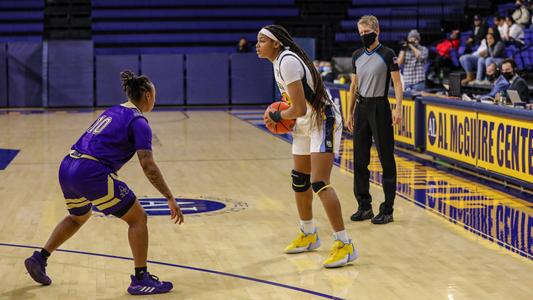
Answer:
[(451, 238)]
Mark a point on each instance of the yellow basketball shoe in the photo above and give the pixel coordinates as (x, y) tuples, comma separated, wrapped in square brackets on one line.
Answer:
[(304, 243), (341, 254)]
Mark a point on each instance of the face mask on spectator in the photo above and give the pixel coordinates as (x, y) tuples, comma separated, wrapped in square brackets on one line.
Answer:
[(508, 75), (492, 77), (368, 39)]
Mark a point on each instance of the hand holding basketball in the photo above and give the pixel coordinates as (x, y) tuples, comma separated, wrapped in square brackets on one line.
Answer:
[(281, 127)]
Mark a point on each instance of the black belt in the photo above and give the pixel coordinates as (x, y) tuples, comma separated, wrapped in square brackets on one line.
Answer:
[(362, 99)]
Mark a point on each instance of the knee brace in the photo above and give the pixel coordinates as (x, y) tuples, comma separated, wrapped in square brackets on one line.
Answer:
[(300, 182), (319, 186)]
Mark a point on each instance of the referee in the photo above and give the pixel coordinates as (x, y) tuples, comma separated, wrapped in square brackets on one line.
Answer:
[(374, 65)]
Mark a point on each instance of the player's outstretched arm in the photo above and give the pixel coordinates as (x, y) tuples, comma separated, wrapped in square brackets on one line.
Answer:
[(152, 172)]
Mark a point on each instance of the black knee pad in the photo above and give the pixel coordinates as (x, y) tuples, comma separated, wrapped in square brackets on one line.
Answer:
[(319, 186), (300, 182)]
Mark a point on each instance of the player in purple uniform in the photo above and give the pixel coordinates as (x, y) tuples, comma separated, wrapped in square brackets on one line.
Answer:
[(88, 177)]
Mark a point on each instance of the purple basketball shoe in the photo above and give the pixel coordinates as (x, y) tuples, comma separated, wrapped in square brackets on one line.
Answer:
[(36, 267), (148, 285)]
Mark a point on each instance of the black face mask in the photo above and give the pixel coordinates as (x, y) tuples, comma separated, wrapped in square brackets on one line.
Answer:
[(508, 75), (493, 77), (368, 39)]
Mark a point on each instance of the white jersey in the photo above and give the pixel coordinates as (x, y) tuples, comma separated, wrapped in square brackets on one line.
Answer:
[(308, 138), (288, 68)]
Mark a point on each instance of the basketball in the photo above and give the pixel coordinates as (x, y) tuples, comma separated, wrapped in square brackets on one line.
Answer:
[(284, 126)]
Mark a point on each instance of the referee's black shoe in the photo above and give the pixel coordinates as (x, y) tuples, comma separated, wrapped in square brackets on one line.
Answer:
[(382, 218), (361, 215)]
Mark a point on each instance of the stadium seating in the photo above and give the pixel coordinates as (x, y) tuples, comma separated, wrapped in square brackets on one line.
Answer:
[(180, 26), (22, 20)]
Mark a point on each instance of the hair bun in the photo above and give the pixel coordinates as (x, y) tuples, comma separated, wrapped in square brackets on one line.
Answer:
[(127, 77)]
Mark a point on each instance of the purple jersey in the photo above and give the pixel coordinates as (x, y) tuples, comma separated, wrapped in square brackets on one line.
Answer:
[(116, 135)]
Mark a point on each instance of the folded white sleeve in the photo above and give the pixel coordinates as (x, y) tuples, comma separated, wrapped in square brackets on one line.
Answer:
[(291, 69)]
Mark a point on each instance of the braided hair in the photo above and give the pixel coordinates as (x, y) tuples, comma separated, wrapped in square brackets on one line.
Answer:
[(320, 94), (135, 86)]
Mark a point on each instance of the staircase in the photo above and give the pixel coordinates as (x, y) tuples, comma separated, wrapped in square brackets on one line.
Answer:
[(67, 19), (320, 20)]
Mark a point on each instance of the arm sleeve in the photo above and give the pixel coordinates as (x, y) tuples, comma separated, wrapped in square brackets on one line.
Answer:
[(424, 54), (501, 85), (392, 61), (291, 69), (355, 56), (498, 49), (141, 134)]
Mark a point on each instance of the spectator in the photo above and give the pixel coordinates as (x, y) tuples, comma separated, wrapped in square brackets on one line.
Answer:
[(413, 58), (516, 33), (521, 14), (498, 82), (516, 82), (503, 29), (493, 54), (443, 59), (478, 33), (243, 46), (316, 63), (469, 62), (531, 13), (326, 72)]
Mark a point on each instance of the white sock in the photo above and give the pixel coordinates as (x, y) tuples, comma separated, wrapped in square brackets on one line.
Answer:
[(341, 236), (308, 226)]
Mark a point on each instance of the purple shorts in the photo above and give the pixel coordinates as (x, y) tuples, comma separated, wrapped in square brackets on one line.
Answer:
[(86, 182)]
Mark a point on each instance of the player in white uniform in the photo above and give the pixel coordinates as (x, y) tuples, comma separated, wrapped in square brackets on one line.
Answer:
[(316, 139)]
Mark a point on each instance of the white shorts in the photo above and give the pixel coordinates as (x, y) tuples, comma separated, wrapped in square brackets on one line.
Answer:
[(327, 139)]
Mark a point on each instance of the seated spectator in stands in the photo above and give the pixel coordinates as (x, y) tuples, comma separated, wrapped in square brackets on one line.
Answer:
[(326, 71), (516, 82), (531, 13), (443, 59), (493, 54), (503, 29), (413, 58), (516, 33), (316, 63), (498, 82), (478, 33), (243, 46), (469, 62), (521, 15)]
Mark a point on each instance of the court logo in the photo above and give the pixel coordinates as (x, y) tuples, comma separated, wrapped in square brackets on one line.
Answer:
[(189, 206), (432, 128), (159, 207)]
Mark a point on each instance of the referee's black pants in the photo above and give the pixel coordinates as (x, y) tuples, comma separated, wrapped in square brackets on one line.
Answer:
[(373, 118)]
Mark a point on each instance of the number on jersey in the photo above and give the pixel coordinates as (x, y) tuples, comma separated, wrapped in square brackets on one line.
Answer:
[(99, 125)]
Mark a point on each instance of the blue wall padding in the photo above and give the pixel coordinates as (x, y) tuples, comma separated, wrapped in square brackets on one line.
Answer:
[(3, 75), (108, 86), (308, 45), (167, 74), (251, 79), (207, 78), (70, 73), (24, 80)]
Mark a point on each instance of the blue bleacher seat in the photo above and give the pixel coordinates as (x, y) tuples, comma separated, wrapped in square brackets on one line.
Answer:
[(169, 3), (22, 27), (164, 50), (171, 38), (21, 4), (21, 15), (190, 13), (402, 2), (21, 38), (179, 25)]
